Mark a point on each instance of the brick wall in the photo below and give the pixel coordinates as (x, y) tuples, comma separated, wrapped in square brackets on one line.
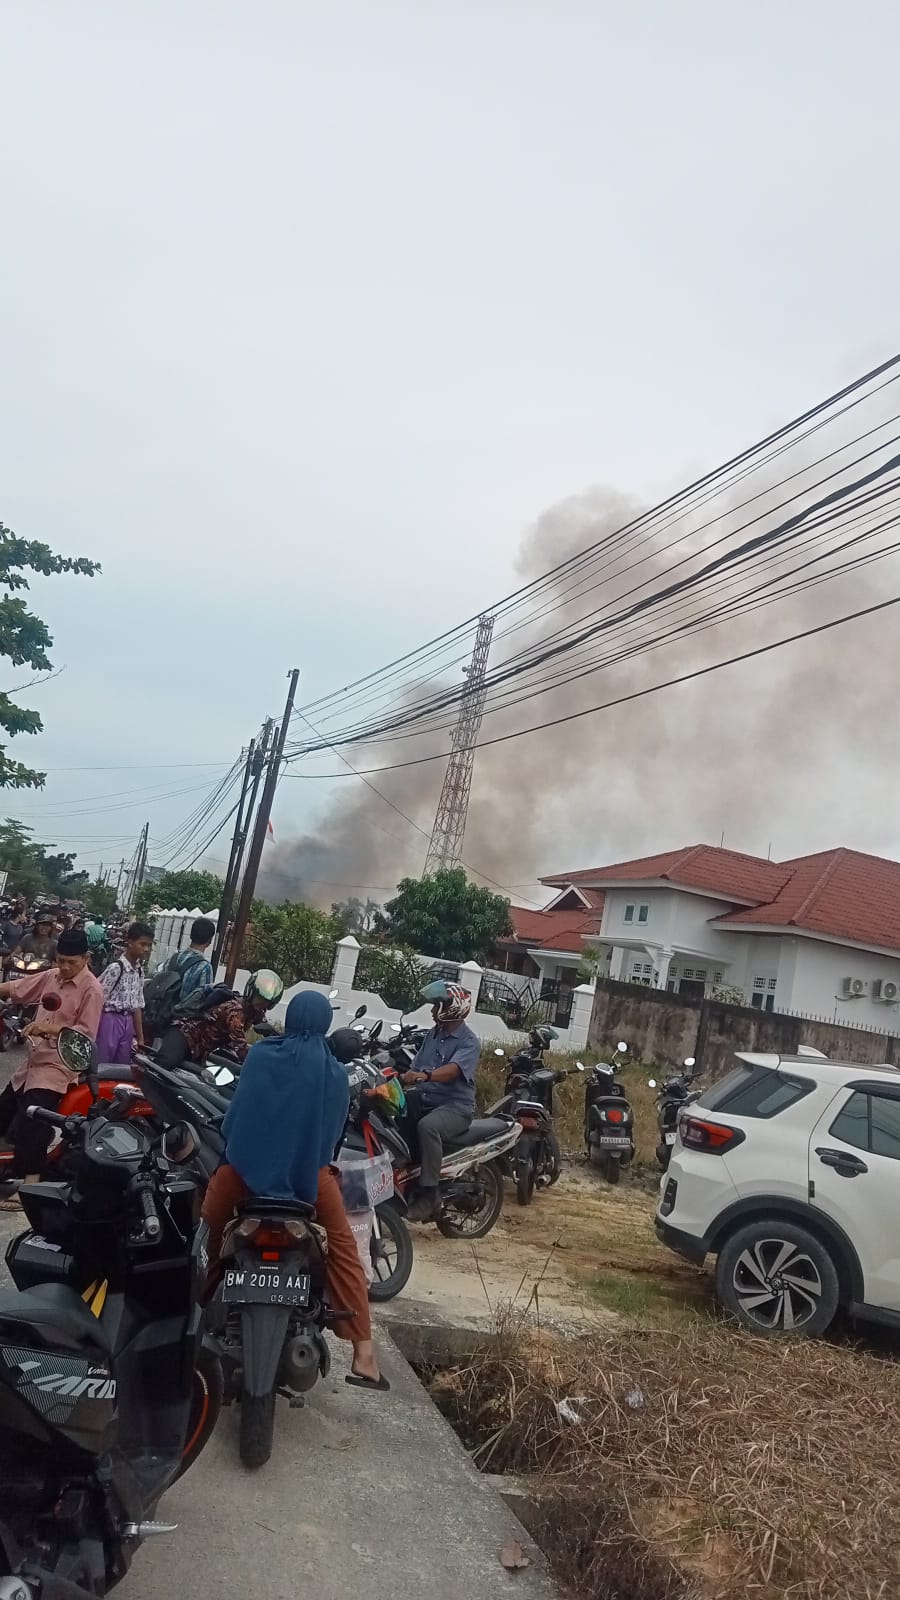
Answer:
[(664, 1028)]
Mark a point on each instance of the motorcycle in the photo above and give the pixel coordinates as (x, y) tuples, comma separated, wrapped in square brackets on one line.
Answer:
[(675, 1093), (536, 1161), (608, 1119), (108, 1388), (17, 1017)]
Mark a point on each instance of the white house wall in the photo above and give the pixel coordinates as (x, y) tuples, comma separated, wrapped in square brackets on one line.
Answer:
[(819, 971), (679, 921)]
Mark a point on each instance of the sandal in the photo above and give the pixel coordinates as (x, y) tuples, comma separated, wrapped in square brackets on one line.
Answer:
[(380, 1384)]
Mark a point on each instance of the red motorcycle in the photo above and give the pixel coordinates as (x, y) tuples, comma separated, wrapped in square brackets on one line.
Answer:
[(93, 1083)]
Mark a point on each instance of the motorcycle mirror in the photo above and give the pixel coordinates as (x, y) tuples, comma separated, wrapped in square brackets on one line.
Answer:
[(499, 1052), (360, 1011), (690, 1061), (621, 1047), (651, 1083), (179, 1142)]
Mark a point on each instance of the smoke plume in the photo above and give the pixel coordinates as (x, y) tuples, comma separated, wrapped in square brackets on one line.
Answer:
[(793, 751)]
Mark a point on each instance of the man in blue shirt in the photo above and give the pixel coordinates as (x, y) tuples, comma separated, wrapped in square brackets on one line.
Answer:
[(443, 1074)]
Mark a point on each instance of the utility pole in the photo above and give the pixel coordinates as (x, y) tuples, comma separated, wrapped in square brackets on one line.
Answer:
[(136, 878), (256, 760), (445, 845), (248, 886), (119, 879)]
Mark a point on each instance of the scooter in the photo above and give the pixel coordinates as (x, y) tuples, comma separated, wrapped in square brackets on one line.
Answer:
[(536, 1160), (675, 1093), (108, 1389), (608, 1119)]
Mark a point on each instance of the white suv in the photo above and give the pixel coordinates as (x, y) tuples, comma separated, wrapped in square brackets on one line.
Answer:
[(788, 1171)]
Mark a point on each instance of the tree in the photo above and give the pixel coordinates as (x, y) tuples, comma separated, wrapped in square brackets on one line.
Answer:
[(354, 915), (397, 975), (296, 941), (444, 915), (180, 891), (25, 639), (31, 870), (100, 900)]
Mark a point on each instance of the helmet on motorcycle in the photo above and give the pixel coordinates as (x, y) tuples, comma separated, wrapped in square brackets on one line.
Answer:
[(263, 988), (449, 1002), (543, 1036), (346, 1044)]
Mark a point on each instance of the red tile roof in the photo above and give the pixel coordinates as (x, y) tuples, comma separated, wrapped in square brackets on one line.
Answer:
[(841, 893), (725, 873), (551, 930)]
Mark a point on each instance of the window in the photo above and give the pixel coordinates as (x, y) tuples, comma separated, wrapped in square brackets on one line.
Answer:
[(643, 913), (762, 1002), (870, 1122), (759, 983), (629, 913), (755, 1092), (773, 983), (718, 976)]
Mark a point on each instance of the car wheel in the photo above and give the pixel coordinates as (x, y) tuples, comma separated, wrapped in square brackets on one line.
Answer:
[(776, 1278)]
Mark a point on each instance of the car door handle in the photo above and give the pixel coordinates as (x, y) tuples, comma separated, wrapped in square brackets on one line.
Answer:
[(843, 1162)]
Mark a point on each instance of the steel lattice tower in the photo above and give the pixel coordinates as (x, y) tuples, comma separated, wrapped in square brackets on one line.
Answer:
[(449, 828)]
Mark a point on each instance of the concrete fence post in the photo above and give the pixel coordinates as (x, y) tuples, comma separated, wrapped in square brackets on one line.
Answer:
[(470, 976), (580, 1019), (346, 956)]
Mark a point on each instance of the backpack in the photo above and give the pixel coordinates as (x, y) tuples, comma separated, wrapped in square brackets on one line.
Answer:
[(199, 1001), (163, 992)]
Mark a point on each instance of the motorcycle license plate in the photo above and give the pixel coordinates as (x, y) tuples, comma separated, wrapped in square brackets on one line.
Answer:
[(269, 1286), (670, 1138), (615, 1141)]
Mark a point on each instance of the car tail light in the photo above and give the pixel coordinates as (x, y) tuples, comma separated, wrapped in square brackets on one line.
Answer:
[(715, 1138), (614, 1115)]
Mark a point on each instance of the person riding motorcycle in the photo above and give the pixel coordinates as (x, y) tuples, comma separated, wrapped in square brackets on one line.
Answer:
[(40, 943), (443, 1077), (223, 1026)]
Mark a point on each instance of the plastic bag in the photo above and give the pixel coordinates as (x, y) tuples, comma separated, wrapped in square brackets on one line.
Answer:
[(365, 1180)]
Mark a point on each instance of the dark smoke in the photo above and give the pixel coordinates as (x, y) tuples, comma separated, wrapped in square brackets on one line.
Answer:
[(793, 751)]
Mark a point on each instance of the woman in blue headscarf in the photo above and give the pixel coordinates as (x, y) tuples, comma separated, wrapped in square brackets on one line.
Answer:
[(281, 1132)]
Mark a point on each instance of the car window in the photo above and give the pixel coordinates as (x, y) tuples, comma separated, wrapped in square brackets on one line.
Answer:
[(870, 1122), (755, 1092)]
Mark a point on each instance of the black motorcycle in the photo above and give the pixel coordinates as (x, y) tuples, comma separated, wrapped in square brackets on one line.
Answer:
[(608, 1119), (108, 1388), (675, 1093), (536, 1159)]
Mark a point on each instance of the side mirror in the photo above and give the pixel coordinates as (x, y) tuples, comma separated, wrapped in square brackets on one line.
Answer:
[(179, 1142), (360, 1011), (651, 1083)]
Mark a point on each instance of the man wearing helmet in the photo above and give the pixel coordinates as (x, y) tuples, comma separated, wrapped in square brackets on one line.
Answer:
[(206, 1025), (443, 1074)]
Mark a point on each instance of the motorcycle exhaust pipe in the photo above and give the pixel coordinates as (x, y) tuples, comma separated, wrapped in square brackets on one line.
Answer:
[(301, 1362)]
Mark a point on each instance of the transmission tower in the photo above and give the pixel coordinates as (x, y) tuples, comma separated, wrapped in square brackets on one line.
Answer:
[(449, 828)]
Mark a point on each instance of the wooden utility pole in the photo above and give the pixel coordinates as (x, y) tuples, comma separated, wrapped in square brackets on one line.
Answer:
[(256, 760), (248, 886)]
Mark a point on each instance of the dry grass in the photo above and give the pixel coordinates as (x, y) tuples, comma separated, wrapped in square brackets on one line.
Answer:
[(569, 1099), (700, 1462)]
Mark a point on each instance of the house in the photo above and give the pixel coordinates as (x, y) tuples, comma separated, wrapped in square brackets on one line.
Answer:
[(817, 934), (543, 953)]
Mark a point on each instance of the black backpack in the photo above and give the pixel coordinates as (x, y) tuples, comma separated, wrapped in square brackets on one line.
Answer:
[(199, 1001), (163, 992)]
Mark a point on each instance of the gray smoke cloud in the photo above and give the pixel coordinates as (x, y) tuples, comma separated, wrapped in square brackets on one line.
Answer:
[(793, 751)]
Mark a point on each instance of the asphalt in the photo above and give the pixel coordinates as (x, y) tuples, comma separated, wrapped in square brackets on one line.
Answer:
[(366, 1495)]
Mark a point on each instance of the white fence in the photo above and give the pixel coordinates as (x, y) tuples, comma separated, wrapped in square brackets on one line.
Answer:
[(173, 931)]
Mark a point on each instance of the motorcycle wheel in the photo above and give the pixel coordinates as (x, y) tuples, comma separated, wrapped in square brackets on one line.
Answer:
[(525, 1179), (392, 1254), (612, 1169), (257, 1428), (554, 1162), (206, 1403), (475, 1224)]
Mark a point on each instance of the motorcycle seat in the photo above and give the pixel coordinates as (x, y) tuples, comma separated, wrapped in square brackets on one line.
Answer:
[(260, 1205), (57, 1312), (482, 1128), (108, 1072)]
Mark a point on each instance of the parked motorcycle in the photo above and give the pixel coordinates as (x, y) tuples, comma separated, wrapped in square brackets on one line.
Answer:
[(675, 1093), (536, 1159), (608, 1119), (108, 1389), (17, 1017)]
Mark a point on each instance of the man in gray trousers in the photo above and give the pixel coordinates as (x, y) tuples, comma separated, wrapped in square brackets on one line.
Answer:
[(443, 1074)]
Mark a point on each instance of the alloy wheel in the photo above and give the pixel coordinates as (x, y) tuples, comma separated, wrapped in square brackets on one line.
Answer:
[(777, 1285)]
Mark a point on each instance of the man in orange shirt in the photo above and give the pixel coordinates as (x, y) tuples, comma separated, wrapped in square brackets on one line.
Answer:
[(68, 996)]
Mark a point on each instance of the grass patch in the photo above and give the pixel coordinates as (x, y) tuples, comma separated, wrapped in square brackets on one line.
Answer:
[(693, 1461)]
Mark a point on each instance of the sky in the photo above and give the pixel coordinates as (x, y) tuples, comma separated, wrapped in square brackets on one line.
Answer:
[(311, 312)]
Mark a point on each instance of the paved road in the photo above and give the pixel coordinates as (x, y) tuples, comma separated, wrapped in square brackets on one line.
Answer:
[(367, 1497)]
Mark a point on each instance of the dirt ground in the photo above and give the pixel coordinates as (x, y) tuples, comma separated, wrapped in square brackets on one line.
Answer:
[(581, 1253)]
